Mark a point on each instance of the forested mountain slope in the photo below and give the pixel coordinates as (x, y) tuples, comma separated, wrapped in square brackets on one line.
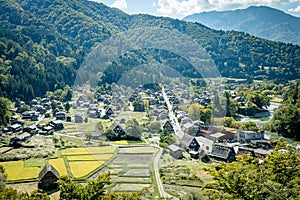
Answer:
[(261, 21), (44, 42)]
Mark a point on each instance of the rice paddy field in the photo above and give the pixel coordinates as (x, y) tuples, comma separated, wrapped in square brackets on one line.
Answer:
[(73, 162), (16, 170)]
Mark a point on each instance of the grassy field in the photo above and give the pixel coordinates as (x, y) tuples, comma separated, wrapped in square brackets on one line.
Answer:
[(80, 169), (35, 162), (138, 150), (59, 165), (15, 170)]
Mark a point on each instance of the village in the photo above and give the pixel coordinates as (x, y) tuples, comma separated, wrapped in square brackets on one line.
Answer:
[(109, 122)]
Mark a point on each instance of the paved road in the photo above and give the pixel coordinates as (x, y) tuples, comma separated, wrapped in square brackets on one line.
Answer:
[(177, 129), (159, 184)]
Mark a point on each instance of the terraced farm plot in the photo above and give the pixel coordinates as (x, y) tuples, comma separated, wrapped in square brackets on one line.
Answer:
[(80, 169), (15, 170), (138, 150), (117, 179), (59, 165), (89, 150), (130, 187), (102, 150), (134, 158), (137, 172), (75, 151), (101, 157)]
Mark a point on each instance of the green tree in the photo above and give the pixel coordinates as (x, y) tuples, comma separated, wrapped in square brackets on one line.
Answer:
[(274, 177), (286, 119), (67, 107), (5, 105), (250, 126), (88, 136), (194, 111)]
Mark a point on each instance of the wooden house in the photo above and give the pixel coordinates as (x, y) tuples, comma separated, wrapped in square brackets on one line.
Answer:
[(118, 130), (57, 125), (175, 151), (78, 118), (243, 136), (48, 178), (167, 125), (60, 116), (223, 153)]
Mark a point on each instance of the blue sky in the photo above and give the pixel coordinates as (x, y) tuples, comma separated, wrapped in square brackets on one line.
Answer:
[(181, 8)]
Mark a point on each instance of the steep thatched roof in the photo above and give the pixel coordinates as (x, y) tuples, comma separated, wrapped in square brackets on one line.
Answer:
[(48, 168)]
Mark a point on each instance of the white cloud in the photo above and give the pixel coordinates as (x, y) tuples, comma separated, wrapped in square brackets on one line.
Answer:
[(297, 9), (187, 7), (121, 4)]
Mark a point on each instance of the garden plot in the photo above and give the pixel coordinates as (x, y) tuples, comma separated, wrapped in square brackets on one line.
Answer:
[(117, 179), (138, 172), (133, 158), (138, 150), (130, 187), (131, 168)]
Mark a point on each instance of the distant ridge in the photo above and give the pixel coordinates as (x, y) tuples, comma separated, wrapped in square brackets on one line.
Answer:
[(262, 21)]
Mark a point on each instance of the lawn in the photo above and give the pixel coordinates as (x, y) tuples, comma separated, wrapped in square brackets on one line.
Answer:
[(80, 169), (15, 170), (59, 165)]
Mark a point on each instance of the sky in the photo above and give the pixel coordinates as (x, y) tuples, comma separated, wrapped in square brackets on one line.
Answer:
[(181, 8)]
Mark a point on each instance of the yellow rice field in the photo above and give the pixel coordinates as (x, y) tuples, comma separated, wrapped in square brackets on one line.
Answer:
[(102, 157), (15, 170), (88, 150), (82, 168), (59, 165), (100, 150)]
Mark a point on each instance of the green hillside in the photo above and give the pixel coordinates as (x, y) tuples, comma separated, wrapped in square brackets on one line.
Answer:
[(44, 42)]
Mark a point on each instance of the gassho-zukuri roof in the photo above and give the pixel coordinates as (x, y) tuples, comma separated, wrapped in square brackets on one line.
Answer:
[(48, 168)]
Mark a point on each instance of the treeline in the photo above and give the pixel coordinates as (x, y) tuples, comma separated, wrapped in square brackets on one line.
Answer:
[(44, 42), (286, 119)]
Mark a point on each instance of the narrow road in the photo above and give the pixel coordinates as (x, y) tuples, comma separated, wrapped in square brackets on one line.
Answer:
[(159, 184), (177, 129)]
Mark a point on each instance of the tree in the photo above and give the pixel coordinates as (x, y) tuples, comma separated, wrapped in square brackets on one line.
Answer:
[(133, 130), (88, 136), (274, 177), (250, 126), (194, 111), (67, 107), (206, 115), (286, 119), (5, 105), (166, 138)]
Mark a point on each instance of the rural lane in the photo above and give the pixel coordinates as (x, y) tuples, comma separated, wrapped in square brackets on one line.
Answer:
[(159, 184), (177, 129)]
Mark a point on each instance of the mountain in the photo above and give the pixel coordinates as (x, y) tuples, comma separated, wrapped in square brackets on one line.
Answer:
[(43, 43), (262, 21)]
